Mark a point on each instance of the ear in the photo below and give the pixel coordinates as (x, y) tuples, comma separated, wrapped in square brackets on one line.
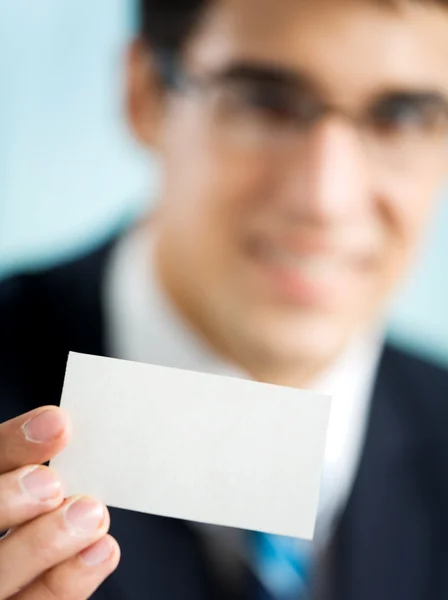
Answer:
[(144, 94)]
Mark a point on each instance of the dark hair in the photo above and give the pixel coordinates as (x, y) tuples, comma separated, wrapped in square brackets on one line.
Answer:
[(165, 25)]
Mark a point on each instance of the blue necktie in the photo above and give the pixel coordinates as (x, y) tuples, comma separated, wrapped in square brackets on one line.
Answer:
[(281, 565)]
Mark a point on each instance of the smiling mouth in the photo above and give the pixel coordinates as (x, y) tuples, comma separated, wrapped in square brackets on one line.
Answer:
[(318, 278)]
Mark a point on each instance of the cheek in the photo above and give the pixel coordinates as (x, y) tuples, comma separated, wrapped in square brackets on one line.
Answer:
[(404, 209), (209, 187)]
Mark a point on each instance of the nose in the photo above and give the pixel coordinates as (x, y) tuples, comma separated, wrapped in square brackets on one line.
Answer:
[(326, 180)]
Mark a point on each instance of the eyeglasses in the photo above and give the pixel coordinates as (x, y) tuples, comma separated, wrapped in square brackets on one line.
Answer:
[(264, 110)]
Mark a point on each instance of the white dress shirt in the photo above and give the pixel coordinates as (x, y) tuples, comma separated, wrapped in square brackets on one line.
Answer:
[(142, 326)]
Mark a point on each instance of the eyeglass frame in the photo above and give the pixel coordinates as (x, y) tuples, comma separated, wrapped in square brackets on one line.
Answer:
[(176, 79)]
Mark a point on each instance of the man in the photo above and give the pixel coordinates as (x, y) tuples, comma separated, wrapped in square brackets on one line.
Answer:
[(302, 145)]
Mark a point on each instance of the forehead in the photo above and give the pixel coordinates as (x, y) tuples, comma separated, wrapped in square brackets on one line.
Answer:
[(347, 47)]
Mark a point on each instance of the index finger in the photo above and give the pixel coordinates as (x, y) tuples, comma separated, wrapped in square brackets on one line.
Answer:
[(33, 438)]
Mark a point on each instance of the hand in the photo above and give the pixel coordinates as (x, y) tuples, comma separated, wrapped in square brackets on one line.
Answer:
[(55, 548)]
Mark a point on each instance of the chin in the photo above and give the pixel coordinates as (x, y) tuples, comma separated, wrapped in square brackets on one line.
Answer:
[(302, 341)]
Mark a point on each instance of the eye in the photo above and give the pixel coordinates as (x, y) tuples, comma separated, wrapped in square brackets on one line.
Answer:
[(277, 105), (410, 114), (268, 101)]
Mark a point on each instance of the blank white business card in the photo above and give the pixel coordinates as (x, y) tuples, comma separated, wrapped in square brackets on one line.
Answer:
[(193, 446)]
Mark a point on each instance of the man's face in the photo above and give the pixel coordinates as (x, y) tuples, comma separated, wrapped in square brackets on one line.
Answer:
[(300, 167)]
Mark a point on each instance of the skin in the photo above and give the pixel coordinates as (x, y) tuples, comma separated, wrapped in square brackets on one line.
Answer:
[(334, 200), (46, 555), (330, 200)]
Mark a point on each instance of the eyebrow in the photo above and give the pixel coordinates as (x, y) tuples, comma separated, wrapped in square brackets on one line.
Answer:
[(264, 73)]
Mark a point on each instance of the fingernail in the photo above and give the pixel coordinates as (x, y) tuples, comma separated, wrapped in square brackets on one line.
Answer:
[(45, 427), (85, 515), (98, 553), (41, 483)]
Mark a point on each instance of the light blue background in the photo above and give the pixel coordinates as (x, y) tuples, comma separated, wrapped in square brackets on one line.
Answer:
[(69, 170)]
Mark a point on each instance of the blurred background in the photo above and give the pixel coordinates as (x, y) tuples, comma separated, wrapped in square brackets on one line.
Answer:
[(70, 172)]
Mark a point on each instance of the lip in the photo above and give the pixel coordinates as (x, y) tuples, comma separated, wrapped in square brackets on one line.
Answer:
[(317, 278)]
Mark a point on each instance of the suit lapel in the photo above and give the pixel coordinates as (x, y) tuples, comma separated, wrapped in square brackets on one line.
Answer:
[(382, 549)]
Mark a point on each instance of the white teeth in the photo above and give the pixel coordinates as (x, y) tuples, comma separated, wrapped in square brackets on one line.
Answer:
[(308, 265)]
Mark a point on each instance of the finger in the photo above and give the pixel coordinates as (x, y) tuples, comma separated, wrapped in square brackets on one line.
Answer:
[(78, 577), (27, 493), (49, 540), (33, 438)]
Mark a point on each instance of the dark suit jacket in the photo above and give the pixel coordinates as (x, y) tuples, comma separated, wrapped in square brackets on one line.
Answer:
[(392, 539)]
